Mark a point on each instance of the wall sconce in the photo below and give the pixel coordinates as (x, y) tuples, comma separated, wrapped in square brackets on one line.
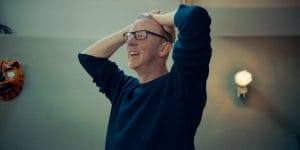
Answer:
[(242, 80)]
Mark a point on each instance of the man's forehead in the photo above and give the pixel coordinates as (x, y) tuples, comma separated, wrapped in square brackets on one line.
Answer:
[(146, 24)]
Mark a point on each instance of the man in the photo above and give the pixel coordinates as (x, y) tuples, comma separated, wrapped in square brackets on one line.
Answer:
[(162, 109)]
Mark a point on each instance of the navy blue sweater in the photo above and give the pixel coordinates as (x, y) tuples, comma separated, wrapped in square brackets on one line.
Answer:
[(162, 114)]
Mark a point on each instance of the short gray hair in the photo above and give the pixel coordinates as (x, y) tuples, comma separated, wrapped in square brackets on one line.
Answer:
[(170, 36)]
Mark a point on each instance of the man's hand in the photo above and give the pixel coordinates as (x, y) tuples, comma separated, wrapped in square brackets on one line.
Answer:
[(164, 19), (187, 2)]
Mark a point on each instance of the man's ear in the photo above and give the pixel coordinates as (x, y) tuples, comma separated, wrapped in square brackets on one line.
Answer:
[(165, 49)]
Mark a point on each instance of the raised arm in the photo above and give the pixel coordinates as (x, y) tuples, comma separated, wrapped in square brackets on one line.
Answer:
[(105, 47), (192, 50), (106, 74)]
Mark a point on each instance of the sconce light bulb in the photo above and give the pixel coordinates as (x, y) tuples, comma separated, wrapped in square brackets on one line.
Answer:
[(243, 78)]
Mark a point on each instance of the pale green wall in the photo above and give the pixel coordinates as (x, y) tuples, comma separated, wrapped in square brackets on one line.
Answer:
[(61, 109), (88, 18)]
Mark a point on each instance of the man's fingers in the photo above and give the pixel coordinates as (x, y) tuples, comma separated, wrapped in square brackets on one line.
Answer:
[(147, 15), (187, 2), (155, 12)]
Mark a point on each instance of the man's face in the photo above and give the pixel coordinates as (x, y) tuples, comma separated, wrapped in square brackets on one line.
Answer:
[(144, 53)]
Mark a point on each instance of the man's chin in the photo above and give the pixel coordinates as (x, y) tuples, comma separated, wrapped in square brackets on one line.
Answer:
[(132, 66)]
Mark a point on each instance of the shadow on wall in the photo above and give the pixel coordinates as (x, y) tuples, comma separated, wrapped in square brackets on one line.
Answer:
[(256, 100), (6, 111)]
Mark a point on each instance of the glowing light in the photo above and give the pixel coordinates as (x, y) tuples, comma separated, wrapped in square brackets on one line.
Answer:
[(243, 78)]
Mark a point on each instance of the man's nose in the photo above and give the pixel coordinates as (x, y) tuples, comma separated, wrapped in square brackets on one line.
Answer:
[(131, 41)]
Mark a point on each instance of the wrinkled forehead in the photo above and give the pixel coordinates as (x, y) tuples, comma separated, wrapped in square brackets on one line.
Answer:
[(146, 24)]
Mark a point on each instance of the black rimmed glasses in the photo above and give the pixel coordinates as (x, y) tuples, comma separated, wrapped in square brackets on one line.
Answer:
[(141, 35)]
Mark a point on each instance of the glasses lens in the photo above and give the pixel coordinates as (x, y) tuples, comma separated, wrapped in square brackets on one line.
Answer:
[(140, 35), (127, 35)]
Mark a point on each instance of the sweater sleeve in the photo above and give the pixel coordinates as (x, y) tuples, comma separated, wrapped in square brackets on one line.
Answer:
[(191, 56), (106, 75), (192, 50)]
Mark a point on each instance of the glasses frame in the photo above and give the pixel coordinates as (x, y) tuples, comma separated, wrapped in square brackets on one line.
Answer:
[(126, 36)]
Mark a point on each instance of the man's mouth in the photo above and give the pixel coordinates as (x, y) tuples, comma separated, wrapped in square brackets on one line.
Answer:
[(132, 53)]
